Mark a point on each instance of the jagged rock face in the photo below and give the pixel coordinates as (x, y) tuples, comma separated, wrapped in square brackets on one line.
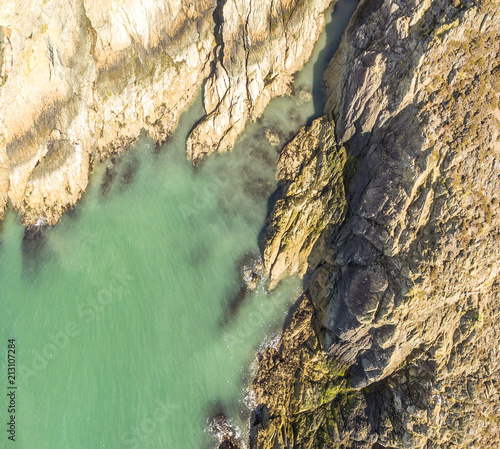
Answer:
[(422, 236), (261, 44), (310, 170), (81, 79), (151, 58), (40, 85), (407, 290)]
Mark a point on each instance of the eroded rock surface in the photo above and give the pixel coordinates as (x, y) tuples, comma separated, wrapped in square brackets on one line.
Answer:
[(312, 389), (260, 45), (310, 173), (406, 291), (79, 80)]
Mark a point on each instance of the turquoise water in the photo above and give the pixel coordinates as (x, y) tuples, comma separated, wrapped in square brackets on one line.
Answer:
[(121, 312)]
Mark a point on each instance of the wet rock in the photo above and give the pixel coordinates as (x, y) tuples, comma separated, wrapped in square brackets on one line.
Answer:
[(273, 138), (224, 433), (304, 94), (250, 271)]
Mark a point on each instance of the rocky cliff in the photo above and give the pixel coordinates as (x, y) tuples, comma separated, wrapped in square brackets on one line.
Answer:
[(388, 202), (404, 277), (260, 45), (80, 80)]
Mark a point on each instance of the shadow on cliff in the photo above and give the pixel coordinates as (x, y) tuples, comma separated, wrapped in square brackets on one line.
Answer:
[(341, 15), (271, 201)]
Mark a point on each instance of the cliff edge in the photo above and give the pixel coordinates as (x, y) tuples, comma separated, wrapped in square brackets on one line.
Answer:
[(80, 80), (405, 287)]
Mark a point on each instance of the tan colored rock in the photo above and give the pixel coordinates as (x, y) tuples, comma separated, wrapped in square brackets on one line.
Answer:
[(99, 72), (4, 180), (296, 385), (260, 46), (151, 58), (310, 170), (96, 73)]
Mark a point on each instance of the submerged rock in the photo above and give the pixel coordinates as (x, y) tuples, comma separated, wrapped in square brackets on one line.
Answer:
[(223, 432), (273, 137), (34, 245), (250, 271)]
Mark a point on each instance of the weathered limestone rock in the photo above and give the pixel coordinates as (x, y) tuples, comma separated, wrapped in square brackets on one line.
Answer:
[(44, 88), (260, 45), (407, 291), (80, 79), (310, 170), (151, 58)]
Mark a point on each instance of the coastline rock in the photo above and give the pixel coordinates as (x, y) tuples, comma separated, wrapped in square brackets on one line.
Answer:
[(260, 45), (297, 389), (223, 432), (310, 170), (406, 290), (423, 193), (94, 74), (91, 75)]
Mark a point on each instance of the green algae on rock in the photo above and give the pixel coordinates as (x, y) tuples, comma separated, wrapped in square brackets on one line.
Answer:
[(300, 392)]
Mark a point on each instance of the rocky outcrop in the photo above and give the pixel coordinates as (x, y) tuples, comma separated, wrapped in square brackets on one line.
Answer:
[(295, 379), (310, 174), (80, 80), (406, 291), (260, 45)]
